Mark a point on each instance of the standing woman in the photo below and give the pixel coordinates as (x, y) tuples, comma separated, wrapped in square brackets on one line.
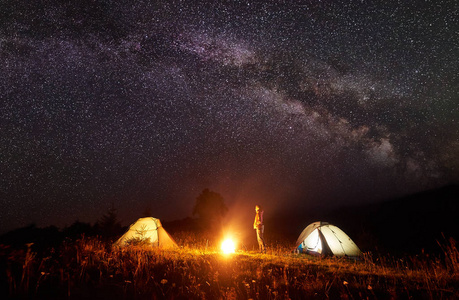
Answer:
[(260, 228)]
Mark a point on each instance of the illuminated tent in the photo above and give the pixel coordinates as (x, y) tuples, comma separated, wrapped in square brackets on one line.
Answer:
[(146, 231), (326, 239)]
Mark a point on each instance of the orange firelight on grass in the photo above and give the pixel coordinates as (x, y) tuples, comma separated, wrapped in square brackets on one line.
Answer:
[(228, 246)]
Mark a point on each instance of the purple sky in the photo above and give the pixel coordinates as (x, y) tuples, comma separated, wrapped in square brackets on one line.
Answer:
[(144, 104)]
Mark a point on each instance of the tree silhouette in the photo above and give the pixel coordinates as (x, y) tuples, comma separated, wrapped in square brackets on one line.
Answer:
[(109, 225), (210, 208), (77, 229)]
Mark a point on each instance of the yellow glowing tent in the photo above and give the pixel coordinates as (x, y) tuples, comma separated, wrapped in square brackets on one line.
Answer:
[(326, 239), (146, 231)]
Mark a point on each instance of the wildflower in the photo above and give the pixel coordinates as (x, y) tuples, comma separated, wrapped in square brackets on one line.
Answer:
[(369, 287), (163, 281), (345, 282)]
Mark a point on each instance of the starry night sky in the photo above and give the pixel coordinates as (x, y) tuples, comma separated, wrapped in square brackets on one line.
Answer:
[(293, 105)]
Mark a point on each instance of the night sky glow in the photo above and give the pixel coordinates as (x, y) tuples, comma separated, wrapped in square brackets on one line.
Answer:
[(292, 105)]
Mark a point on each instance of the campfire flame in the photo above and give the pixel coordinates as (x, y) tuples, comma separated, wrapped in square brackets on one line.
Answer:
[(228, 246)]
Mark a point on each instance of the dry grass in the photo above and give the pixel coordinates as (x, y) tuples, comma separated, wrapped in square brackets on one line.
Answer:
[(90, 269)]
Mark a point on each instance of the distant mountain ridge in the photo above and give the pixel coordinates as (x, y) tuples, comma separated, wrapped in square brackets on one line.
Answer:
[(409, 223)]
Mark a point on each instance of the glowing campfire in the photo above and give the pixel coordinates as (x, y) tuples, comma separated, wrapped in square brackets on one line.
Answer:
[(228, 246)]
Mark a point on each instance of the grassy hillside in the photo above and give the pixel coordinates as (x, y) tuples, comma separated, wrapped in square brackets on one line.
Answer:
[(409, 249), (88, 268)]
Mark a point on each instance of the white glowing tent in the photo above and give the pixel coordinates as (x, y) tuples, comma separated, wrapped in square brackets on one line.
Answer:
[(148, 230), (326, 239)]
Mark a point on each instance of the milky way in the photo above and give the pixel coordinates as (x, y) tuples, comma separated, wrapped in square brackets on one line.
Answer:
[(145, 104)]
